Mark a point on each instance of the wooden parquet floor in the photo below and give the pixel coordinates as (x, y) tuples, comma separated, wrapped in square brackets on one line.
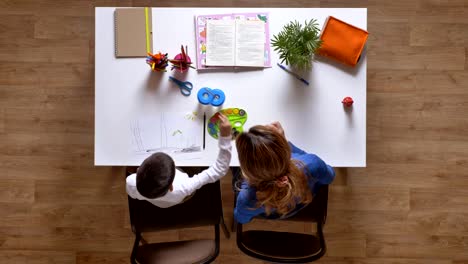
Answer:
[(409, 205)]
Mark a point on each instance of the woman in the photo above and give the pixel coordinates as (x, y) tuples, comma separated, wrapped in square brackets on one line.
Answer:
[(278, 179)]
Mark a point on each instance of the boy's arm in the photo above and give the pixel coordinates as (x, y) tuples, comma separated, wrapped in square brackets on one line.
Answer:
[(213, 173), (131, 186)]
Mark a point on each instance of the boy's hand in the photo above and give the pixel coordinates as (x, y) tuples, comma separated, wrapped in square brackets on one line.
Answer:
[(224, 126), (277, 127)]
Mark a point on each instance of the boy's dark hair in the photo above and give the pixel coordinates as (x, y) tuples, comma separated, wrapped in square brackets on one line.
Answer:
[(155, 175)]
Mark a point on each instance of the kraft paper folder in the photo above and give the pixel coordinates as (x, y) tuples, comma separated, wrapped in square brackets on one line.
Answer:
[(133, 32)]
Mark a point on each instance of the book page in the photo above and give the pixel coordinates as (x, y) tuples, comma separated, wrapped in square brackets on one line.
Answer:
[(250, 43), (220, 36)]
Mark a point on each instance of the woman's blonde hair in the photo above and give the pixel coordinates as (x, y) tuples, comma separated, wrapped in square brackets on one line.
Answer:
[(265, 158)]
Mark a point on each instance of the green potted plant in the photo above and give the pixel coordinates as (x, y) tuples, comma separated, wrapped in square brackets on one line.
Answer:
[(297, 43)]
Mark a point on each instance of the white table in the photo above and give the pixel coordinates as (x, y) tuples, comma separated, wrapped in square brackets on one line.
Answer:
[(313, 116)]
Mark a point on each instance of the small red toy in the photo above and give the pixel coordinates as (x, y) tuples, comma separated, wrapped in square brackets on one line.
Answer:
[(347, 101)]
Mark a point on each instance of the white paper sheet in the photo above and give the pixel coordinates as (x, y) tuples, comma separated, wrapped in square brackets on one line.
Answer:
[(174, 133)]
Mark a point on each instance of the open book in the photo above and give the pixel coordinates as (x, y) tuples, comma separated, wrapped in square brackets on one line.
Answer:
[(235, 43), (238, 39)]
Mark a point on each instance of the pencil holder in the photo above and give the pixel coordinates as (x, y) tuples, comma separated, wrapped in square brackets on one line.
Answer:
[(181, 61), (158, 62)]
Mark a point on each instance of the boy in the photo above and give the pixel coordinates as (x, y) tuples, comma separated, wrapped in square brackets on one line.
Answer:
[(158, 181)]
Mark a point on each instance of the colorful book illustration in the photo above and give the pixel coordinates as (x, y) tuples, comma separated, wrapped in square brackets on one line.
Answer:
[(239, 20)]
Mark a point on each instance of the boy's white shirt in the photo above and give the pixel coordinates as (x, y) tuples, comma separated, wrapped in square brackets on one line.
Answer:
[(183, 185)]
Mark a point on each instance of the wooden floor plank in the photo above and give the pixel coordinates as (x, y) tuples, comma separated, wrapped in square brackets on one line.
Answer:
[(438, 223), (16, 26), (388, 34), (405, 175), (368, 198), (33, 51), (47, 7), (417, 246), (438, 34), (36, 257), (347, 244), (102, 257), (48, 74), (2, 121), (344, 3), (41, 97), (367, 222), (54, 120), (45, 144), (334, 260), (420, 82), (61, 167), (418, 151), (43, 238), (80, 193), (63, 215), (453, 11), (466, 58), (439, 199), (396, 11), (63, 27), (17, 191), (408, 206), (417, 58)]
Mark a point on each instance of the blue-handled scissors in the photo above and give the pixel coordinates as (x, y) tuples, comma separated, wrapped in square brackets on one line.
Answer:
[(185, 87)]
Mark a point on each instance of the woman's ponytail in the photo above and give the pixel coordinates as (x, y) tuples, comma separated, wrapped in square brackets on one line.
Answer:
[(265, 159)]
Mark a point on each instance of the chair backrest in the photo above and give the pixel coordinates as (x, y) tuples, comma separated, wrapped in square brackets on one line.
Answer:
[(202, 209), (295, 247), (316, 211)]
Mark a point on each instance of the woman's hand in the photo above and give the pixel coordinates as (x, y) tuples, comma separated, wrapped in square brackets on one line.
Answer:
[(277, 127)]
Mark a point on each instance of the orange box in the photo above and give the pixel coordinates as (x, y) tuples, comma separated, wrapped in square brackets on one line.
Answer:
[(342, 41)]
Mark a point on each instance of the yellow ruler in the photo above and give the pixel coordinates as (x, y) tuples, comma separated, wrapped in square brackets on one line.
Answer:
[(147, 31)]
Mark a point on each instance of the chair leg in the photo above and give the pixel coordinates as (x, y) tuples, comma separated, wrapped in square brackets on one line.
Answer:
[(135, 248), (234, 223), (143, 241), (225, 229)]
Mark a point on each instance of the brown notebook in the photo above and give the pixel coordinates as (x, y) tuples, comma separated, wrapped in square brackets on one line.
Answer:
[(133, 32)]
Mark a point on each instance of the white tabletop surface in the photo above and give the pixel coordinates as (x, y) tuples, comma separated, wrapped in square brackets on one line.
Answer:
[(313, 116)]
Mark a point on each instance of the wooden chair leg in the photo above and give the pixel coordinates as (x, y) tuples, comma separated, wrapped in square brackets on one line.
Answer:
[(226, 232), (143, 241), (234, 224), (135, 248)]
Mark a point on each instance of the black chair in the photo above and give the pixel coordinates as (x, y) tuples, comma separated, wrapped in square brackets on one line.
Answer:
[(286, 247), (204, 208)]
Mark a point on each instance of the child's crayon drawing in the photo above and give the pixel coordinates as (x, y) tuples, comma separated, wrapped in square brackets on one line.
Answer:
[(169, 132)]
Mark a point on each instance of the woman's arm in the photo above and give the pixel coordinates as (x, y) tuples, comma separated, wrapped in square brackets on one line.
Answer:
[(295, 149), (321, 172), (245, 208)]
